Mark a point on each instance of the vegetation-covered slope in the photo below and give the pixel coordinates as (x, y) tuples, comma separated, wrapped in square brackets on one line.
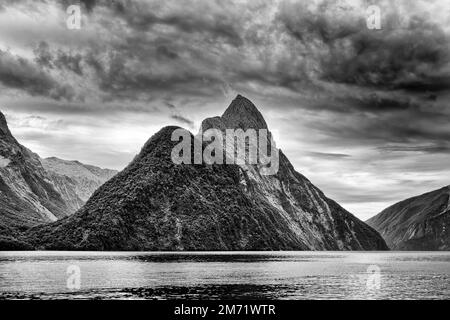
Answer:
[(27, 196), (157, 205)]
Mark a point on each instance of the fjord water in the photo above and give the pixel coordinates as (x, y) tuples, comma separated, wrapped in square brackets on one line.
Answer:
[(226, 275)]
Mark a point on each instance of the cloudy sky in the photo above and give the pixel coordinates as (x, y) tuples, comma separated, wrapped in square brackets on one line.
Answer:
[(364, 114)]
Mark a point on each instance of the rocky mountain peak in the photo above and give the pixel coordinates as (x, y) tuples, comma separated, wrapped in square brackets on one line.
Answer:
[(155, 204), (4, 130), (242, 113)]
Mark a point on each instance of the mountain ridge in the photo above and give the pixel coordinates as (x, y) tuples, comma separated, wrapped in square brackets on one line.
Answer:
[(82, 179), (154, 204), (417, 223), (29, 193), (121, 216)]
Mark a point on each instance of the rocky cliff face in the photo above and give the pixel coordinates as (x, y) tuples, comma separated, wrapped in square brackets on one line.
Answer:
[(74, 180), (155, 204), (319, 222), (418, 223), (32, 193), (27, 195)]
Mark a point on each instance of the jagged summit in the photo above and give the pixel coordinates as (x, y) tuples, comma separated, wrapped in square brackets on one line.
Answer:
[(241, 113)]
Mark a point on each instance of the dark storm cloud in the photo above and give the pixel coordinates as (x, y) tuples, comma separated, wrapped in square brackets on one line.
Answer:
[(411, 62), (434, 83), (197, 49), (413, 56), (73, 109), (177, 116), (328, 22), (377, 103), (43, 56), (366, 102), (59, 59), (170, 105), (438, 147), (87, 5), (191, 17), (405, 129), (121, 82), (183, 120), (19, 73), (184, 48), (69, 62), (164, 52), (327, 155), (133, 68)]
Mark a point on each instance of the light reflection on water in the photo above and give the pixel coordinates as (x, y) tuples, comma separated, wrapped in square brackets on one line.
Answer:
[(226, 275)]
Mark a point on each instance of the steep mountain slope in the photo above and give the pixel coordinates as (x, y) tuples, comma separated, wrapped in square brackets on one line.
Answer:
[(155, 204), (74, 180), (27, 195), (318, 221), (35, 191), (418, 223)]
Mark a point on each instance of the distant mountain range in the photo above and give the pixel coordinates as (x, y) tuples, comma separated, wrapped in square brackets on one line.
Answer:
[(418, 223), (74, 180), (154, 204), (35, 191)]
